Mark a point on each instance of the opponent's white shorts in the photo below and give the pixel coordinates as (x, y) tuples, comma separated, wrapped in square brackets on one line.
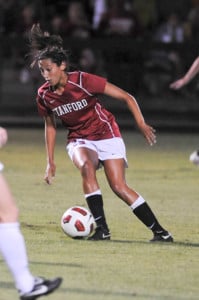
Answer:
[(113, 148), (1, 167)]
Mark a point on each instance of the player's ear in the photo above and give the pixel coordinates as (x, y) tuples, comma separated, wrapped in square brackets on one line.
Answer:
[(63, 66)]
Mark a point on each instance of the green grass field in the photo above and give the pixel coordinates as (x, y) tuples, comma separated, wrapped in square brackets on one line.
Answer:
[(128, 266)]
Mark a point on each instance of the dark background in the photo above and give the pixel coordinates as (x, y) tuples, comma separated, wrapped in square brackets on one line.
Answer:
[(138, 62)]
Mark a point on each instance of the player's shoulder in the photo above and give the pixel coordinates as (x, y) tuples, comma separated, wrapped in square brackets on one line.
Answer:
[(74, 76), (78, 76), (43, 88), (89, 82)]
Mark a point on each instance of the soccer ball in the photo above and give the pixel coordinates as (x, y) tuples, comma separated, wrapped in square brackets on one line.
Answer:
[(194, 158), (77, 222)]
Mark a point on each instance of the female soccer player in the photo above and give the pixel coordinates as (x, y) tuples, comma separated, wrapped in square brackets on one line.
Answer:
[(12, 245), (94, 138)]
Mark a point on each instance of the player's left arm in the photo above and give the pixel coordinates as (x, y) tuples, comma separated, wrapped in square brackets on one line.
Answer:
[(119, 94)]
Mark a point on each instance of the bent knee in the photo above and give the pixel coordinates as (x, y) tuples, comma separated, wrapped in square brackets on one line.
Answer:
[(118, 188), (87, 168), (11, 215)]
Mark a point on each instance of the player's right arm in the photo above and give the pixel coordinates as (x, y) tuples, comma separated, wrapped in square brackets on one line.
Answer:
[(50, 136), (191, 73), (3, 136), (3, 141)]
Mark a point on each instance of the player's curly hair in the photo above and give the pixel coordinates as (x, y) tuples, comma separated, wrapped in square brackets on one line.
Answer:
[(44, 46)]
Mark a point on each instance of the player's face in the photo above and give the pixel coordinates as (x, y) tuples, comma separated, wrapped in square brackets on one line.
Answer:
[(51, 72)]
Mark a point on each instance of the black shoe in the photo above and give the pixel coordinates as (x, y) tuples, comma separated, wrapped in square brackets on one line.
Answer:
[(100, 234), (162, 237), (41, 287)]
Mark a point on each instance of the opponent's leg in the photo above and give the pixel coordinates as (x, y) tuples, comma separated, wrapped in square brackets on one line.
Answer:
[(13, 250)]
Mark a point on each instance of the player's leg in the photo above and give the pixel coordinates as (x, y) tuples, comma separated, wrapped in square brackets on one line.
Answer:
[(86, 160), (13, 249), (115, 173), (12, 244)]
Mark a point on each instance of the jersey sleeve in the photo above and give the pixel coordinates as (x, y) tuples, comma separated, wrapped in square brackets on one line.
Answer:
[(93, 83)]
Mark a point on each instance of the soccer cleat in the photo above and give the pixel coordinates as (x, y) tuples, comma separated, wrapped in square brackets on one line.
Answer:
[(162, 237), (41, 287), (100, 234)]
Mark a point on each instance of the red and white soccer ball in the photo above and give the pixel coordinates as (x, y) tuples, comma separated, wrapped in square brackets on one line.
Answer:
[(77, 222)]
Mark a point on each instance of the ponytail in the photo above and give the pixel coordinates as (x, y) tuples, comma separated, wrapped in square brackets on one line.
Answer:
[(43, 46)]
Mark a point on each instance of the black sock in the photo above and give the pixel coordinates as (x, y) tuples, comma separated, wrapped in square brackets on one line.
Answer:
[(145, 214), (95, 204)]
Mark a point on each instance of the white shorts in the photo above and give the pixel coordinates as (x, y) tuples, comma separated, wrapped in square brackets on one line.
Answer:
[(113, 148)]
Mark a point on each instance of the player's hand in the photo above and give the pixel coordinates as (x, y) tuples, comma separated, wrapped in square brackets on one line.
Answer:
[(176, 85), (149, 133), (50, 173), (3, 136)]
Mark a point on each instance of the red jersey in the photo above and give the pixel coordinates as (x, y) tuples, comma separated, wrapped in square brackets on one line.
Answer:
[(79, 108)]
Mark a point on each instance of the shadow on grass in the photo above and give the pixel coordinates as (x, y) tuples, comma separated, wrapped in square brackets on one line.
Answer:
[(175, 243), (86, 292), (56, 264), (115, 294)]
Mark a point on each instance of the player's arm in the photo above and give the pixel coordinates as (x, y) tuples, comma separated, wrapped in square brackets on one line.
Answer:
[(191, 73), (3, 136), (3, 141), (117, 93), (50, 136)]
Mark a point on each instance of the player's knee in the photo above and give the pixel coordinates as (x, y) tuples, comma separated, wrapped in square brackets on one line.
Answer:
[(87, 169), (15, 213), (10, 216), (117, 188)]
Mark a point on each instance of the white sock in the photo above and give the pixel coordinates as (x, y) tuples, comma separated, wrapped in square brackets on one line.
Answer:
[(140, 200), (98, 192), (13, 249)]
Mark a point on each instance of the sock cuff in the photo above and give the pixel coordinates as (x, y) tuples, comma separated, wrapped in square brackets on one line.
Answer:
[(97, 192), (139, 201), (9, 225)]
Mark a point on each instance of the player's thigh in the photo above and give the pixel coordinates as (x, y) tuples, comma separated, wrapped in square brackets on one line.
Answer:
[(8, 208), (84, 156), (115, 171)]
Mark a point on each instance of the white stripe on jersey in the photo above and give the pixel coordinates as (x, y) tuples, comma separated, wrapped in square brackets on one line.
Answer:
[(103, 117), (43, 96), (80, 85)]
